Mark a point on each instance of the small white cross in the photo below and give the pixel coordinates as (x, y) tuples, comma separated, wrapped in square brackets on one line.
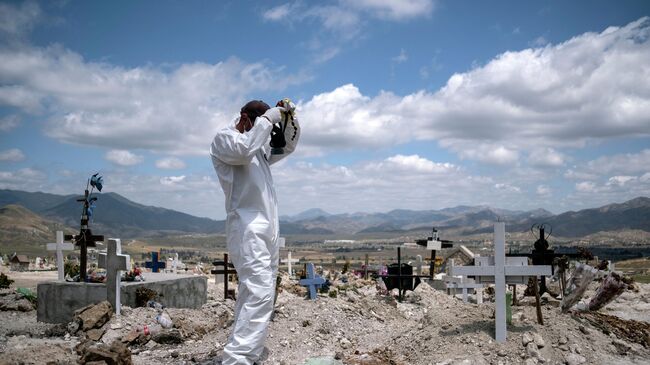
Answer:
[(114, 262), (289, 261), (59, 247)]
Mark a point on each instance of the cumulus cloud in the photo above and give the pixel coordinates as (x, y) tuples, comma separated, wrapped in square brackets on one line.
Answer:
[(624, 163), (543, 190), (393, 9), (170, 163), (128, 108), (401, 58), (23, 179), (539, 100), (12, 155), (123, 157), (586, 187)]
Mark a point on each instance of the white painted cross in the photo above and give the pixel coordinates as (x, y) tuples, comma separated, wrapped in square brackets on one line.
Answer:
[(418, 265), (289, 261), (114, 262), (463, 283), (59, 247), (499, 270)]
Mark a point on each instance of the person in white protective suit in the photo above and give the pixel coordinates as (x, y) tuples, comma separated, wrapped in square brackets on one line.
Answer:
[(241, 157)]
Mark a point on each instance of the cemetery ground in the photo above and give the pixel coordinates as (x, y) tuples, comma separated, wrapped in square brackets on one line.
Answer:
[(357, 326)]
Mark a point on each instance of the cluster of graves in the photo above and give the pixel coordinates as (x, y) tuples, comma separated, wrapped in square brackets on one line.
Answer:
[(58, 300)]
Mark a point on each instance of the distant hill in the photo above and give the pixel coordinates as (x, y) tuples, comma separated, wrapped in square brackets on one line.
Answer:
[(118, 216), (631, 215), (114, 214), (22, 228)]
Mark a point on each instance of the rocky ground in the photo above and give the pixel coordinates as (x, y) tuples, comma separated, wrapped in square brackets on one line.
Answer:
[(358, 326)]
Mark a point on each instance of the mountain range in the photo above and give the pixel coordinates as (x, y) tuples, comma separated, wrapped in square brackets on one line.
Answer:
[(117, 216)]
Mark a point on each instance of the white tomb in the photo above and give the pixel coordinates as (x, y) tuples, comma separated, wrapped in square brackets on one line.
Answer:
[(59, 247), (501, 270)]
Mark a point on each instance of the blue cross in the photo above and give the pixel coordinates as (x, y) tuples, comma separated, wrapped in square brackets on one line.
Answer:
[(154, 264), (312, 281)]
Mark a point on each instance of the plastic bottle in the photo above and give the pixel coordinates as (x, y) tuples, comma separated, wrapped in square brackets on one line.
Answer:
[(164, 320)]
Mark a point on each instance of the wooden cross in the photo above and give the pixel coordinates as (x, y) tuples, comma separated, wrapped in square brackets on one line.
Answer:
[(312, 281), (500, 271), (154, 264), (114, 262), (289, 261), (225, 272), (59, 247)]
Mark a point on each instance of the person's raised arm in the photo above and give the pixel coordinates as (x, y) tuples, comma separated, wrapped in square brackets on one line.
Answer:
[(234, 148), (291, 136)]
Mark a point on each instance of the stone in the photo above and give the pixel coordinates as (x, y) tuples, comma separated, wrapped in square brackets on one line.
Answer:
[(168, 337), (530, 362), (526, 339), (94, 316), (563, 340), (95, 334), (574, 359), (345, 343), (539, 341), (533, 351), (116, 354)]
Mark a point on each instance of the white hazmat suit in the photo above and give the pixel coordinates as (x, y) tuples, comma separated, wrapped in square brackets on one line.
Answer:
[(242, 162)]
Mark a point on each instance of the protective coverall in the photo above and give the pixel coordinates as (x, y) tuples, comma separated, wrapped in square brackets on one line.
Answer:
[(242, 162)]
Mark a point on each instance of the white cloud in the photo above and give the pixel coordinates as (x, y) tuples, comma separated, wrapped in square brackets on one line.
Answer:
[(393, 9), (278, 13), (541, 99), (123, 157), (172, 180), (12, 155), (543, 190), (586, 187), (23, 179), (625, 163), (18, 19), (401, 58), (9, 122), (620, 180), (546, 157), (412, 163), (170, 163), (131, 108)]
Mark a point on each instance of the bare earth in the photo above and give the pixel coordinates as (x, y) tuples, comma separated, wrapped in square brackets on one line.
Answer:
[(357, 327)]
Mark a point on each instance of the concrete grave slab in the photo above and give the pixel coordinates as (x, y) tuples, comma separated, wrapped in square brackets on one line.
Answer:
[(57, 301)]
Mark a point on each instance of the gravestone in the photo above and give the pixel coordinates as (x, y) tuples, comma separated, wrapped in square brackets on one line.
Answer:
[(289, 261), (114, 262), (418, 265), (312, 282), (500, 271), (155, 265), (59, 247)]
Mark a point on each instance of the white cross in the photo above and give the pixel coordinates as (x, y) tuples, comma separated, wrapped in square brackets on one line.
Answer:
[(114, 262), (59, 247), (460, 282), (289, 261), (418, 265), (498, 270)]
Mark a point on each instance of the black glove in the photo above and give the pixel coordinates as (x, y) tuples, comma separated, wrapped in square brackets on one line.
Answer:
[(277, 137)]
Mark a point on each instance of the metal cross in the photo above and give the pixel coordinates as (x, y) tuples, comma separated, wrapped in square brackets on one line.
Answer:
[(154, 264), (312, 281)]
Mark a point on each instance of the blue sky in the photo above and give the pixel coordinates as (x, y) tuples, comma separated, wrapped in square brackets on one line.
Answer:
[(416, 104)]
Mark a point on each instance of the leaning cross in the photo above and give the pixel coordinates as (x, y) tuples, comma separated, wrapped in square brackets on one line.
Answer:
[(225, 272), (500, 271), (59, 247), (312, 281), (154, 264), (289, 261), (114, 262)]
